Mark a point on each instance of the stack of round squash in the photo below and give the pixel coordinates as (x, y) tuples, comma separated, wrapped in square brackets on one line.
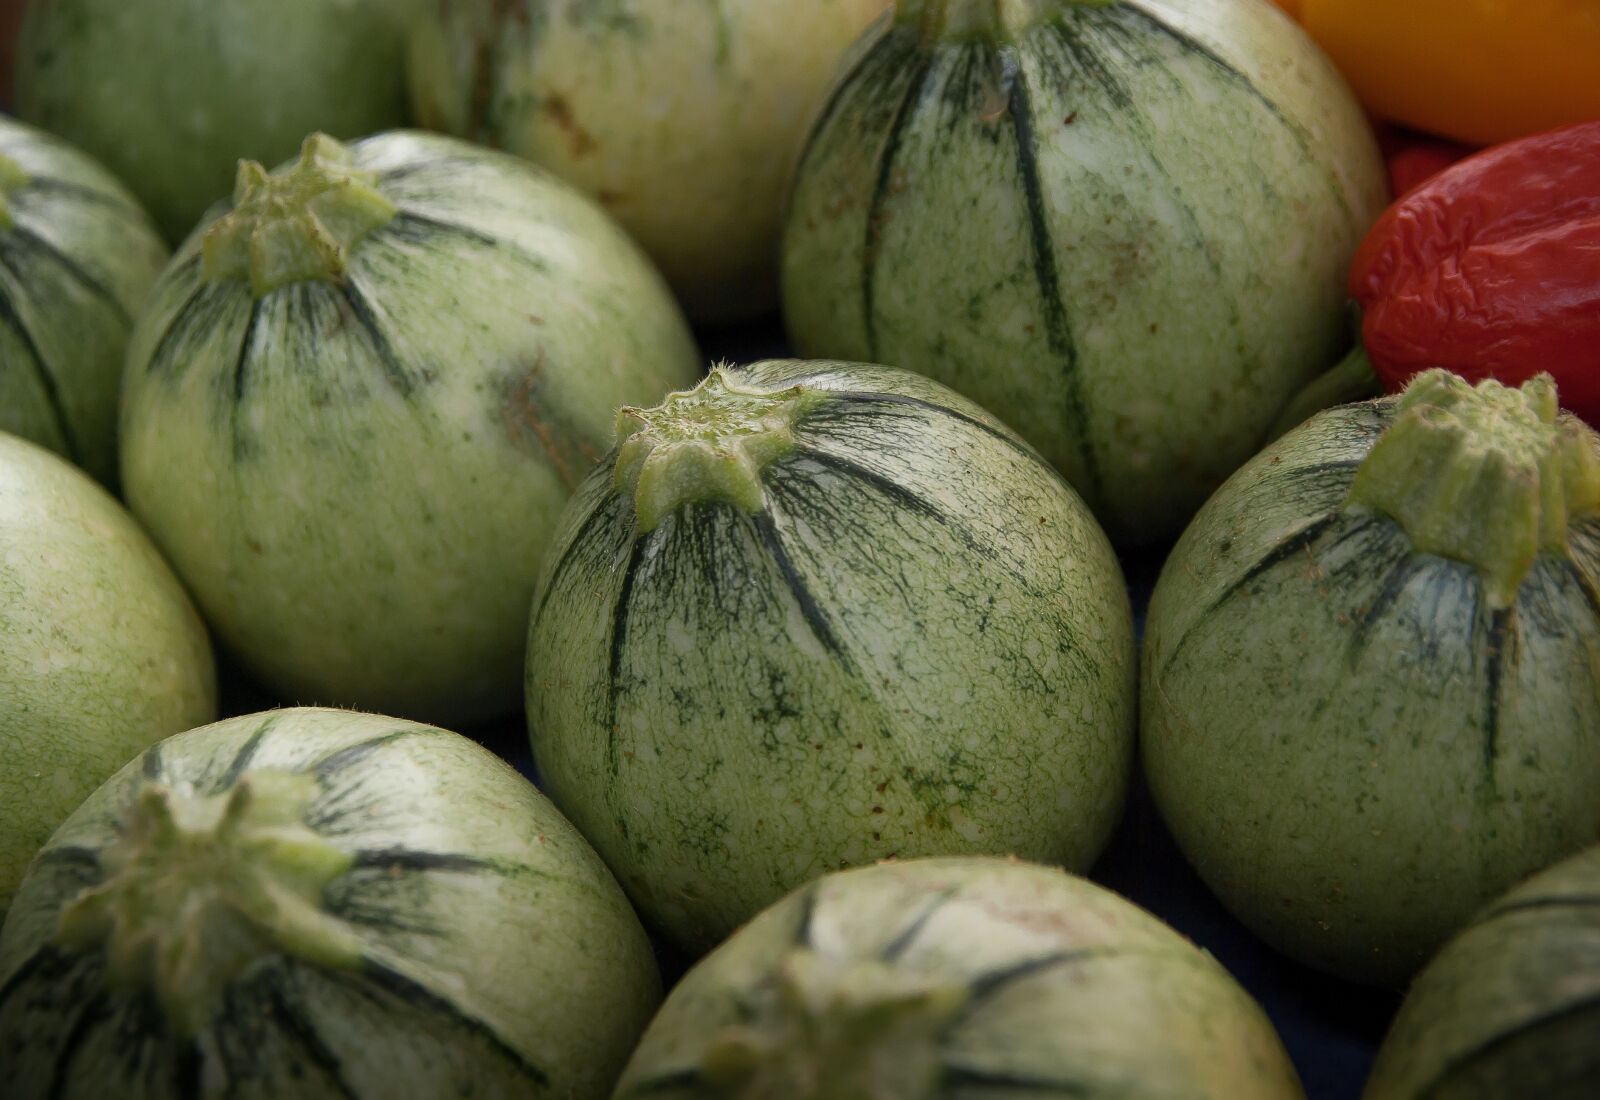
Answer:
[(828, 665)]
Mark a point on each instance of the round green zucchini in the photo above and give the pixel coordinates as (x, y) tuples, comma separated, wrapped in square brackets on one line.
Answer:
[(359, 398), (683, 119), (171, 94), (813, 614), (318, 903), (1511, 1006), (101, 653), (1121, 225), (961, 979), (1371, 691), (77, 257)]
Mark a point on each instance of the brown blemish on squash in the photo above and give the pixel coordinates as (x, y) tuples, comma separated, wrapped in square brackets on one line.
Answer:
[(560, 112), (525, 416)]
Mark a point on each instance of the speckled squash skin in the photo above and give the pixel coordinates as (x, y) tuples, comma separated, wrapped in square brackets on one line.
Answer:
[(77, 257), (1352, 746), (1511, 1006), (491, 953), (915, 641), (357, 476), (101, 653), (683, 117), (1052, 986), (171, 94), (1123, 227)]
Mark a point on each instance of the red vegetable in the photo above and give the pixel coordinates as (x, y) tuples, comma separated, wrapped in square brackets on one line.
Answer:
[(1415, 158), (1492, 269)]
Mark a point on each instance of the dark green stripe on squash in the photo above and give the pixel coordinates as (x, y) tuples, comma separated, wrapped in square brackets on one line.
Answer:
[(1128, 11), (241, 759), (619, 637), (907, 936), (150, 763), (419, 996), (42, 248), (816, 619), (1087, 57), (199, 312), (337, 762), (958, 1077), (241, 368), (1506, 909), (1500, 647), (401, 859), (42, 372), (397, 374), (1395, 583), (1579, 1022), (1058, 330), (291, 1021), (916, 78)]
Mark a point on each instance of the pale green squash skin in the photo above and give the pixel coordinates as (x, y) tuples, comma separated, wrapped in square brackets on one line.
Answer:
[(360, 509), (1330, 729), (682, 117), (949, 668), (1094, 998), (1129, 242), (101, 653), (77, 257), (171, 94), (535, 976), (1511, 1006)]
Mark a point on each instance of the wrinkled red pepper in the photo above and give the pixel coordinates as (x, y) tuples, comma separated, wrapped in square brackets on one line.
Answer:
[(1492, 269)]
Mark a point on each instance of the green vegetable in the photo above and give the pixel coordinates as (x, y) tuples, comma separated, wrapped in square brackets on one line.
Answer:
[(101, 653), (1372, 671), (77, 257), (358, 400), (1511, 1006), (683, 119), (1122, 226), (170, 94), (317, 903), (814, 614), (964, 979)]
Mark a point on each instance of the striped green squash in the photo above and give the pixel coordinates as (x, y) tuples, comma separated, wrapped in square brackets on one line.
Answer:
[(320, 904), (1371, 690), (1511, 1006), (101, 653), (171, 94), (77, 257), (958, 979), (682, 117), (359, 398), (814, 614), (1122, 225)]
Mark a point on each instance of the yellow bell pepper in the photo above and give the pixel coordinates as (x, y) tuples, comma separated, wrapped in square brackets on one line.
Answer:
[(1479, 71)]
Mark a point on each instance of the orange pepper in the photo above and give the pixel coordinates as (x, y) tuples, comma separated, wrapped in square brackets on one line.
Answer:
[(1290, 6), (1479, 71)]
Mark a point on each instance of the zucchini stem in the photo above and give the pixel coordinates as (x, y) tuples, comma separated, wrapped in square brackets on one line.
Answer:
[(1490, 475), (297, 224), (199, 887)]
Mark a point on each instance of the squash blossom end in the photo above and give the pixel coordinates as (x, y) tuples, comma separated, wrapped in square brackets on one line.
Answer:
[(198, 888), (299, 223), (1490, 474), (711, 443)]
